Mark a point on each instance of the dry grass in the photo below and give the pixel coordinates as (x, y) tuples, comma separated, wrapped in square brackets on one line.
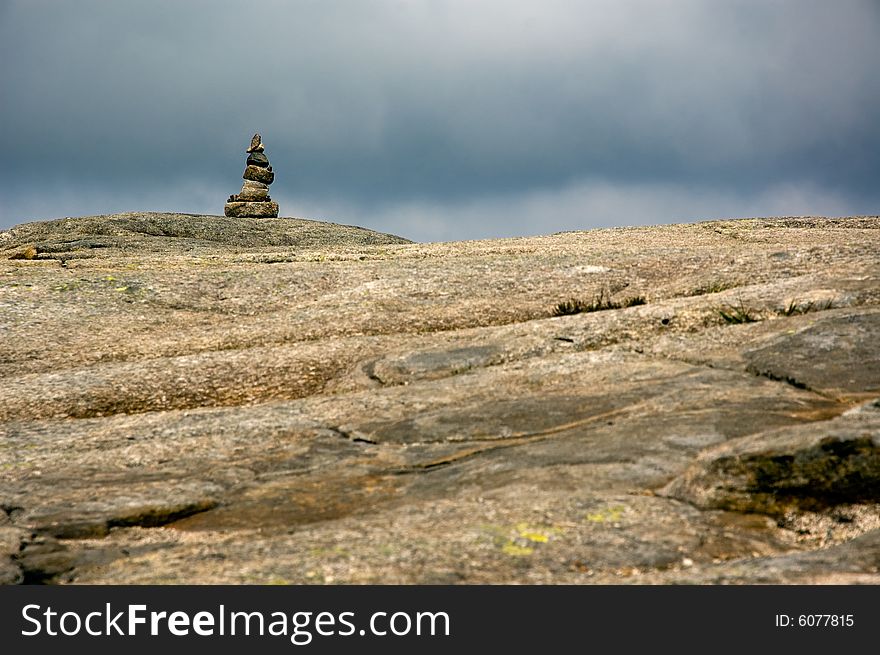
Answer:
[(600, 302)]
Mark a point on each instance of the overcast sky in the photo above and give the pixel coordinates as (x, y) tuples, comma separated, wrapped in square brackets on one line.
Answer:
[(444, 119)]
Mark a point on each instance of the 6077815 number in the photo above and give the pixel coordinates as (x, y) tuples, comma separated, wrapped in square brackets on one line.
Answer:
[(815, 620)]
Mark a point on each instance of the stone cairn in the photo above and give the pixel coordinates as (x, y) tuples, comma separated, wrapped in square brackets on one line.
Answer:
[(254, 200)]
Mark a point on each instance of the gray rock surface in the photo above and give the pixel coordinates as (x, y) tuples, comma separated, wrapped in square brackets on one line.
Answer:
[(208, 399), (834, 355), (804, 467), (138, 234)]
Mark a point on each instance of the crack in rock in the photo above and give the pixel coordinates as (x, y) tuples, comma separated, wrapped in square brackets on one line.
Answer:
[(85, 526), (352, 435)]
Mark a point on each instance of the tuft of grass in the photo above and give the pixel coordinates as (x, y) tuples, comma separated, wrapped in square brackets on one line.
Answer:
[(738, 315), (716, 286), (569, 307), (794, 308), (600, 302)]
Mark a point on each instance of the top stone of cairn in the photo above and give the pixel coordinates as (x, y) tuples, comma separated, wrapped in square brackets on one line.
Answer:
[(256, 144)]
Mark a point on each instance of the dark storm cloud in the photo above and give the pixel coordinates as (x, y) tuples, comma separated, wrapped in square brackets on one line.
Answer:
[(444, 119)]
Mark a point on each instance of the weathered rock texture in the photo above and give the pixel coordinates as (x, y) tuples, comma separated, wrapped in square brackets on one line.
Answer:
[(246, 208), (208, 399), (258, 174), (254, 191)]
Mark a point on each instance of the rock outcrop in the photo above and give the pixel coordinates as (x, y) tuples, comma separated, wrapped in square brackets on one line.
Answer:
[(254, 201), (224, 400), (811, 467)]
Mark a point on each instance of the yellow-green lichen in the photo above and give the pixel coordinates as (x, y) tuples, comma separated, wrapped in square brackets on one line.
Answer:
[(606, 515)]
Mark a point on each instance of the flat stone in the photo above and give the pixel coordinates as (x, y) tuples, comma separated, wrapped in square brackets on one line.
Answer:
[(92, 510), (807, 467), (251, 184), (249, 194), (258, 159), (426, 365), (251, 209), (835, 355), (257, 174)]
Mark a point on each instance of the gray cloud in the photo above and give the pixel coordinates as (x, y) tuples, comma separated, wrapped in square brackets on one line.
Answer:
[(444, 119)]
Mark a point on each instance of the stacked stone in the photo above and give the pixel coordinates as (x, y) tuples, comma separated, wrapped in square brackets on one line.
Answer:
[(254, 200)]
